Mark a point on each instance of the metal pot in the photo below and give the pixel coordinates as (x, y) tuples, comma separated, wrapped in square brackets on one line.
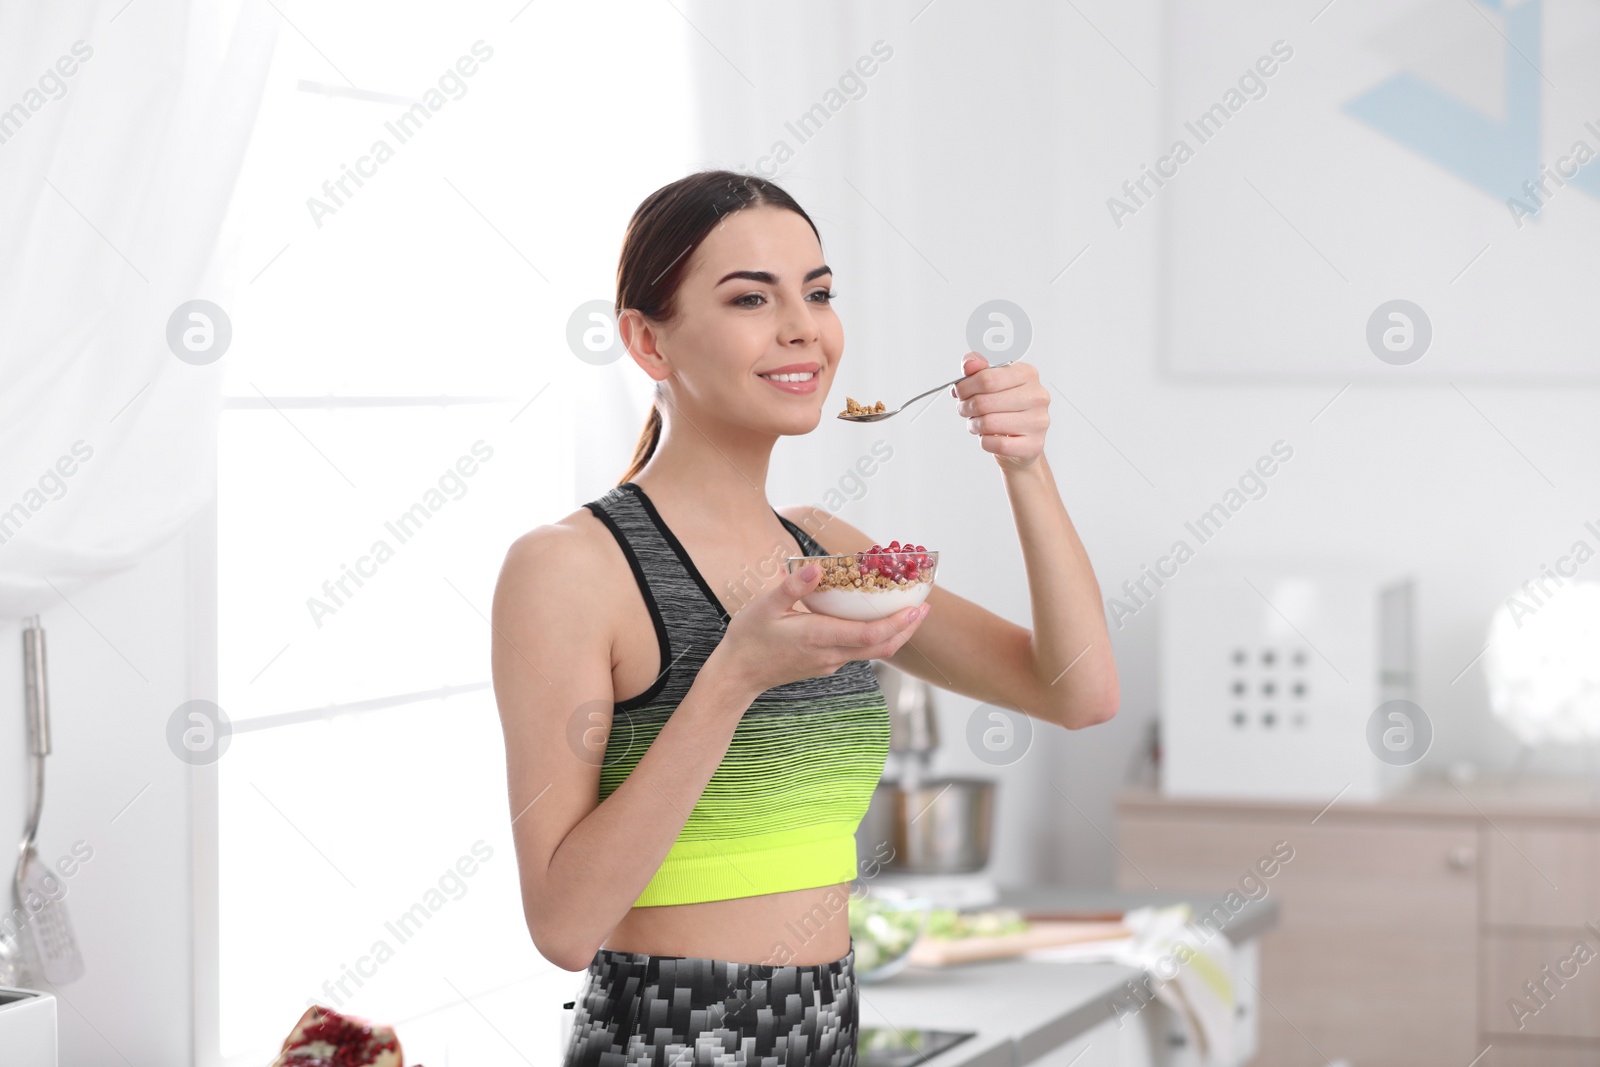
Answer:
[(940, 826)]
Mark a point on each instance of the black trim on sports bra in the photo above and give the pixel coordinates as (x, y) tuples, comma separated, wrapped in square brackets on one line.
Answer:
[(678, 549), (801, 537), (655, 617)]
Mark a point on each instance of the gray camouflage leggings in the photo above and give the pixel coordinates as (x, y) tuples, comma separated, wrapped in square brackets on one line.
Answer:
[(640, 1010)]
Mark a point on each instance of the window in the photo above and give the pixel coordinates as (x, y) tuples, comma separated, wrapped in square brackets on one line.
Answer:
[(399, 407)]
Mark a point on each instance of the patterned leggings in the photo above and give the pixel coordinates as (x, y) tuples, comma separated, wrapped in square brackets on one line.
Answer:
[(640, 1010)]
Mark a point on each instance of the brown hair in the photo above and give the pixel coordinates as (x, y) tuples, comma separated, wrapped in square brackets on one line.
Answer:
[(665, 230)]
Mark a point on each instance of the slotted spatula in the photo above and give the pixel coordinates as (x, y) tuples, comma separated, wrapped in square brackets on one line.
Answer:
[(46, 937)]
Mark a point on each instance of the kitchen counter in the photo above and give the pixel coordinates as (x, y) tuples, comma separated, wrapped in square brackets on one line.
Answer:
[(1569, 799), (1028, 1011)]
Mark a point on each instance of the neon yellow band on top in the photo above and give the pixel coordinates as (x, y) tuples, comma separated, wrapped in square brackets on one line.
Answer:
[(802, 858)]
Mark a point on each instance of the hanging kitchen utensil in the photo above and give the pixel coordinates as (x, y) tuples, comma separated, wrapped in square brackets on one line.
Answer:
[(10, 957), (48, 947)]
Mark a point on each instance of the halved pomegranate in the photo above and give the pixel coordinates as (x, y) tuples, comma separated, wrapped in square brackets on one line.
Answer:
[(324, 1038)]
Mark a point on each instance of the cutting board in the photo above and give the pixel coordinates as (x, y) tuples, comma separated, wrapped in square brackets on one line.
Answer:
[(930, 952)]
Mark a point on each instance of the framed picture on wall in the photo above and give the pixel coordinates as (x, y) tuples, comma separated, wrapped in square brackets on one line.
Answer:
[(1379, 190)]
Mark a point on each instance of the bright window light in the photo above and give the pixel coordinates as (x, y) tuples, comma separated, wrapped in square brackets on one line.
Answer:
[(399, 409), (1543, 666)]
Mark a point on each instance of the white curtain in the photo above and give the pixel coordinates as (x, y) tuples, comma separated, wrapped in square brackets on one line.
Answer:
[(122, 129)]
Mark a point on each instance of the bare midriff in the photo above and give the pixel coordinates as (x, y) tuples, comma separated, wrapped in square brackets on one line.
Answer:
[(799, 927)]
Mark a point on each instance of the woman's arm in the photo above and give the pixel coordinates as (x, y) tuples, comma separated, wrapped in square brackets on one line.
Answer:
[(1063, 670), (583, 864), (1072, 670)]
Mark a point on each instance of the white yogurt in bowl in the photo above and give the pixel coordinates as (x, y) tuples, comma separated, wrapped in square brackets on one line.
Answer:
[(866, 607), (867, 586)]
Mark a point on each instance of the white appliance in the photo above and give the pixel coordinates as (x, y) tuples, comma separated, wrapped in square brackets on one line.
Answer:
[(1273, 674), (27, 1028)]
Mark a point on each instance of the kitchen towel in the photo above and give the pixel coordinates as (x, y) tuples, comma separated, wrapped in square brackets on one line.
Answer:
[(1189, 969)]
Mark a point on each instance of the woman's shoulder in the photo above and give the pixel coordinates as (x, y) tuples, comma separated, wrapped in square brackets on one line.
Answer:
[(569, 555), (572, 543)]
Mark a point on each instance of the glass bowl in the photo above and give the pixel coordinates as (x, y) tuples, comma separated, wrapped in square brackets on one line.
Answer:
[(885, 924), (866, 586)]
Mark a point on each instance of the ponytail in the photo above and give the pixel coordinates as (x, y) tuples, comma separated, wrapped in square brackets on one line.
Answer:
[(669, 223), (649, 437)]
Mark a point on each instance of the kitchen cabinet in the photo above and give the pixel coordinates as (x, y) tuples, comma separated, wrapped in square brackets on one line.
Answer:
[(1541, 981), (1411, 926), (1541, 875)]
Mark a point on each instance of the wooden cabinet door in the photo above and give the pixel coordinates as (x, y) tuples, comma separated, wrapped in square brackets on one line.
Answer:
[(1375, 956), (1541, 953), (1541, 983), (1540, 875)]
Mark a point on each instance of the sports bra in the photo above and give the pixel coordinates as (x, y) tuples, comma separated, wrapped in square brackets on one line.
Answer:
[(781, 810)]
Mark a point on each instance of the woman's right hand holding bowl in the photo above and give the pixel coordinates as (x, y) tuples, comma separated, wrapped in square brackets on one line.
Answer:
[(769, 643)]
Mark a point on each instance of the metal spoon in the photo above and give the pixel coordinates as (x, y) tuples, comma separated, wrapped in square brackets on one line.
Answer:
[(878, 416)]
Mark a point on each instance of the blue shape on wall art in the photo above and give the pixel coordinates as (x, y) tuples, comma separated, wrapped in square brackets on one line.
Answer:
[(1495, 156)]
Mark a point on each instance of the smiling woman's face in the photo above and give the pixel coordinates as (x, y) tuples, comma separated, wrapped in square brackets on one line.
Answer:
[(754, 303)]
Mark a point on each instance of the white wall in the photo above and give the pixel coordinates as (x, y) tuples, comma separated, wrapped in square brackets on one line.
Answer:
[(119, 665), (987, 146)]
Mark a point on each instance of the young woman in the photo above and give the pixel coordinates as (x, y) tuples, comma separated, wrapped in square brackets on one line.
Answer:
[(687, 773)]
